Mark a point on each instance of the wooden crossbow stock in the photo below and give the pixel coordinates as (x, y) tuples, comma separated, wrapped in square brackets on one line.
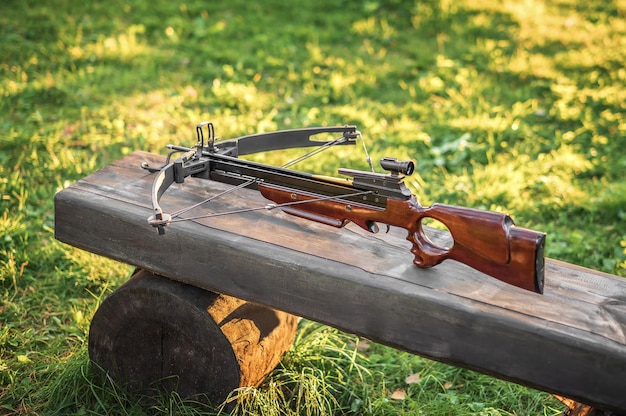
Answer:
[(486, 241)]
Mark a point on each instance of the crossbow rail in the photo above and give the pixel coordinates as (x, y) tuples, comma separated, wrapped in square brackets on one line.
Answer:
[(571, 341)]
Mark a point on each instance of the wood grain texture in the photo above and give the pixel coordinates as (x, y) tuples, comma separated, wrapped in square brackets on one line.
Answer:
[(569, 341), (157, 334)]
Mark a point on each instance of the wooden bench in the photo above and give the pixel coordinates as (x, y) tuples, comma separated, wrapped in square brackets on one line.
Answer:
[(571, 341)]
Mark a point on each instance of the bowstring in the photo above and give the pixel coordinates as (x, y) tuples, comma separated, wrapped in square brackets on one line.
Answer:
[(270, 207), (292, 162), (368, 159), (211, 198), (315, 151)]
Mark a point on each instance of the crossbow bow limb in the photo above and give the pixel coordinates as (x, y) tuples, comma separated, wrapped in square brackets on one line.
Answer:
[(486, 241)]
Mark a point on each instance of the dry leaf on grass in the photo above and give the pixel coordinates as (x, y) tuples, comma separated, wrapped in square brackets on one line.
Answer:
[(363, 345), (399, 394), (412, 379)]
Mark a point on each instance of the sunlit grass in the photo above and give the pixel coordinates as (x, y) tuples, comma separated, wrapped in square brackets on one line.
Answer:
[(510, 106)]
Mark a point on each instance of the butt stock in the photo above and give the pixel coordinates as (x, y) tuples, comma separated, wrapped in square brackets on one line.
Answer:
[(486, 241)]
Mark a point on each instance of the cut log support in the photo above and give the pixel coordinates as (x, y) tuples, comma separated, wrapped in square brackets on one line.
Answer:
[(579, 409), (569, 341), (154, 334)]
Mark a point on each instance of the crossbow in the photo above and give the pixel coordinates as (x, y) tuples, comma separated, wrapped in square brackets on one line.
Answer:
[(486, 241)]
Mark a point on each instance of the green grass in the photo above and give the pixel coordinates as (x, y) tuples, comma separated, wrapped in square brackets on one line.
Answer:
[(508, 106)]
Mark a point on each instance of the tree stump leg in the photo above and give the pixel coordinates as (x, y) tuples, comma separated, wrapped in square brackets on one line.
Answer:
[(578, 409), (156, 334)]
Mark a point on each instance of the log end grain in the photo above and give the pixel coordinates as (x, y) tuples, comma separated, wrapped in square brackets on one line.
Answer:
[(154, 334)]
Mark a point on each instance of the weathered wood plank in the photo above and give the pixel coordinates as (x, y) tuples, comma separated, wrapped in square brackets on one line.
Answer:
[(570, 341)]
